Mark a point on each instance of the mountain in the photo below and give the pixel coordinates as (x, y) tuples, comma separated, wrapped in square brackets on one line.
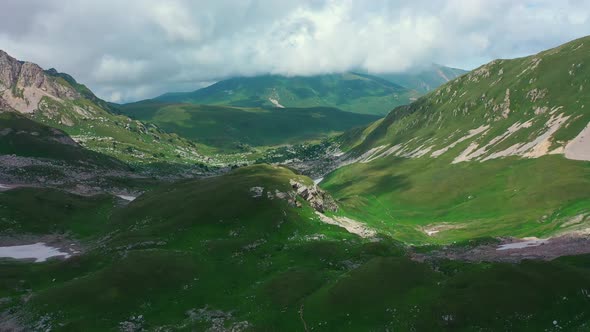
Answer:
[(353, 92), (58, 101), (233, 128), (501, 151), (426, 79), (421, 228)]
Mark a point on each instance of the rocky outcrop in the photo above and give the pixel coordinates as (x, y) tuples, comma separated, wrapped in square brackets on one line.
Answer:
[(24, 84), (316, 197)]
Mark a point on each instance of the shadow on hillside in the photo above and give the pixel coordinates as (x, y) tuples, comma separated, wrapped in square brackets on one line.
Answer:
[(374, 185)]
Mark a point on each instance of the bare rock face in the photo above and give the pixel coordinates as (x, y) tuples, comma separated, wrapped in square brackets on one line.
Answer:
[(9, 69), (316, 197), (24, 84)]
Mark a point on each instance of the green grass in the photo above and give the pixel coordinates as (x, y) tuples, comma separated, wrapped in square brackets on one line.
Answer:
[(28, 138), (207, 244), (494, 198), (49, 211), (353, 92), (511, 196), (232, 128)]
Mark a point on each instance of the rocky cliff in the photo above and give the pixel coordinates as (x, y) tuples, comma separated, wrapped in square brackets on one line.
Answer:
[(24, 84)]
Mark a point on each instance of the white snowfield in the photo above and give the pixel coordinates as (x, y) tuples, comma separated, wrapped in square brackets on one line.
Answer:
[(38, 251), (127, 197)]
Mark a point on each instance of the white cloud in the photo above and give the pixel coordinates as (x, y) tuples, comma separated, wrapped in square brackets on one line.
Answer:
[(127, 50)]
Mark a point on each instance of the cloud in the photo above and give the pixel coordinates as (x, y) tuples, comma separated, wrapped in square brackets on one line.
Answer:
[(128, 50)]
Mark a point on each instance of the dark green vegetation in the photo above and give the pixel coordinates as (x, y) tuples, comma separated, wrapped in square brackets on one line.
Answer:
[(426, 79), (353, 92), (482, 156), (42, 211), (233, 128), (206, 254), (21, 136)]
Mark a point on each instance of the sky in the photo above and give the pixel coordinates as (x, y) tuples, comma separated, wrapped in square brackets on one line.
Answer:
[(136, 49)]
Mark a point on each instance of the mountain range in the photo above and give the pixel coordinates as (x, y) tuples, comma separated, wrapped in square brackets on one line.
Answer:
[(353, 92), (467, 209)]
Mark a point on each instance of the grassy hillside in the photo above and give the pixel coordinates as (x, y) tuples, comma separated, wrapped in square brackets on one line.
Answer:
[(230, 128), (499, 107), (359, 93), (23, 137), (499, 151), (407, 198), (209, 255), (56, 100)]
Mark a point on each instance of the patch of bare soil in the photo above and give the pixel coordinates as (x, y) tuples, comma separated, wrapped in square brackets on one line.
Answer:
[(511, 250)]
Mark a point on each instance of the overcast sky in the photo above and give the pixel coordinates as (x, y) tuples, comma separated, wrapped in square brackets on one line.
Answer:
[(127, 50)]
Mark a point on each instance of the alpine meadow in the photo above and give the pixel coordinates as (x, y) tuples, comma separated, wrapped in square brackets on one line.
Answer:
[(295, 166)]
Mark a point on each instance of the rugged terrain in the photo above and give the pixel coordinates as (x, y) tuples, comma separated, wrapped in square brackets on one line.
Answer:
[(58, 101), (467, 210)]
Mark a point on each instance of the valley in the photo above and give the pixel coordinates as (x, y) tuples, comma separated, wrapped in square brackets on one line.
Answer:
[(233, 209)]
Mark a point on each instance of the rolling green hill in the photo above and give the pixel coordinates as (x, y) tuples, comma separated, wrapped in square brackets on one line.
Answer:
[(501, 151), (213, 254), (232, 128), (353, 92)]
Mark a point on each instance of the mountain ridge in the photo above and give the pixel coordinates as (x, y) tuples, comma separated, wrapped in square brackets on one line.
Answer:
[(353, 92)]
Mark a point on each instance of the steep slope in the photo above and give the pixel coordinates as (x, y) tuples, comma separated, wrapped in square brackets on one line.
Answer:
[(231, 128), (22, 137), (424, 80), (526, 107), (500, 151), (359, 93), (57, 100), (238, 253)]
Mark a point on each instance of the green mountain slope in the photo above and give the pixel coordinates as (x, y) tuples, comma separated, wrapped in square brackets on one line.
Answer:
[(359, 93), (58, 101), (20, 136), (214, 254), (502, 150), (229, 128), (424, 80)]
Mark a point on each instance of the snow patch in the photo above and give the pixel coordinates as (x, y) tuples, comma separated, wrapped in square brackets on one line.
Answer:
[(38, 251), (127, 197), (275, 103)]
